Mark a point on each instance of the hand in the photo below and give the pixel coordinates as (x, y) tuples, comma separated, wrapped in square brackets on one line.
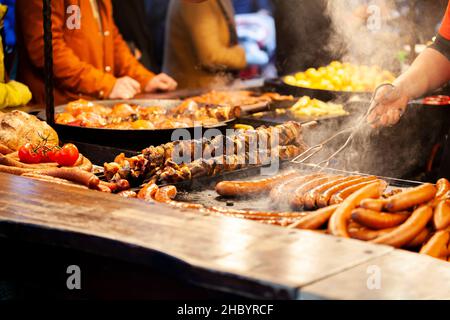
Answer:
[(125, 88), (392, 103), (161, 82)]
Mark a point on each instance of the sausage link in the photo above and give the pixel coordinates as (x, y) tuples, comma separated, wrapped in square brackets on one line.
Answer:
[(418, 241), (378, 220), (311, 196), (73, 174), (373, 204), (405, 233), (344, 194), (443, 187), (324, 199), (366, 234), (411, 198), (4, 149), (296, 201), (314, 220), (252, 188), (340, 218), (59, 181), (280, 194), (437, 246), (441, 217)]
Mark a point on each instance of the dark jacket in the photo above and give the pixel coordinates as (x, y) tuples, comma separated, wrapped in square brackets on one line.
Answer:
[(130, 17)]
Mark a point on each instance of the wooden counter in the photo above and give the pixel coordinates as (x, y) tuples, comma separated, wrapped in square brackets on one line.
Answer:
[(226, 254)]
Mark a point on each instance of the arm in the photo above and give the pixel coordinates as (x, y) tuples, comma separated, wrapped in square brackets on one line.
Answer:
[(429, 71), (202, 25), (70, 72)]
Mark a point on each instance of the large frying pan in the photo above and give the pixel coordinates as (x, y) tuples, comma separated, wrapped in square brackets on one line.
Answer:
[(125, 138), (281, 87)]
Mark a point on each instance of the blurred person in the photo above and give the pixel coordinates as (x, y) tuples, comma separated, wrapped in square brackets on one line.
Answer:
[(156, 12), (201, 43), (303, 31), (131, 20), (12, 93), (90, 58)]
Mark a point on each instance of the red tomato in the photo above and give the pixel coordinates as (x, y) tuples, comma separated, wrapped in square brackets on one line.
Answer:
[(49, 153), (28, 154), (67, 156)]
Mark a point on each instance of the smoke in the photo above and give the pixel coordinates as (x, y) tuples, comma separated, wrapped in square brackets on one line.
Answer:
[(373, 33), (362, 32)]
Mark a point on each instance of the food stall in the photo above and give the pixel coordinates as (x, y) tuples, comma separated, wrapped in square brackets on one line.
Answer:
[(239, 209)]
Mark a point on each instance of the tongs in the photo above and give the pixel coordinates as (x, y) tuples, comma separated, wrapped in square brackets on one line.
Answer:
[(312, 151)]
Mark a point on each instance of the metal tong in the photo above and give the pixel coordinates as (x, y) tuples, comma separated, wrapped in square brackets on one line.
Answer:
[(312, 151)]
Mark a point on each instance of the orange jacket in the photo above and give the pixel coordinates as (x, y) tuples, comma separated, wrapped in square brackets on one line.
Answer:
[(86, 60)]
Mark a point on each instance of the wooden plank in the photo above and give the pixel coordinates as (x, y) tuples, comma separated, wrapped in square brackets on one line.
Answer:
[(402, 275), (301, 257)]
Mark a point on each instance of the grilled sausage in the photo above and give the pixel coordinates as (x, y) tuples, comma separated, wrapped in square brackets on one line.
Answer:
[(437, 246), (4, 149), (14, 170), (441, 217), (73, 174), (443, 187), (59, 181), (252, 188), (344, 194), (411, 198), (418, 241), (373, 204), (366, 234), (311, 196), (405, 233), (339, 220), (296, 201), (314, 220), (378, 220), (324, 199), (280, 194), (85, 164)]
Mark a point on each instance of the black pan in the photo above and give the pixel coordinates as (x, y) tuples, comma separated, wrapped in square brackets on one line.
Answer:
[(281, 87), (125, 138)]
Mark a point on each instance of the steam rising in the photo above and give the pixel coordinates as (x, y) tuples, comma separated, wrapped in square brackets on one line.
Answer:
[(372, 34)]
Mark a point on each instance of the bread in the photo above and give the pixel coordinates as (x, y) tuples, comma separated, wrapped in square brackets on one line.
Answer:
[(18, 128)]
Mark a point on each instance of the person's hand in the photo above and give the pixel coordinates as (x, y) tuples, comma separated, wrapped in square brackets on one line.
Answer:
[(391, 103), (161, 82), (125, 88)]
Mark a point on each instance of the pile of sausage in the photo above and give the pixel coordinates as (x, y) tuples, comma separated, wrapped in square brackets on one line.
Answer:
[(352, 207)]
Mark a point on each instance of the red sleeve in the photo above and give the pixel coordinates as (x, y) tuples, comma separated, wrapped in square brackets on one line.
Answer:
[(444, 31)]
